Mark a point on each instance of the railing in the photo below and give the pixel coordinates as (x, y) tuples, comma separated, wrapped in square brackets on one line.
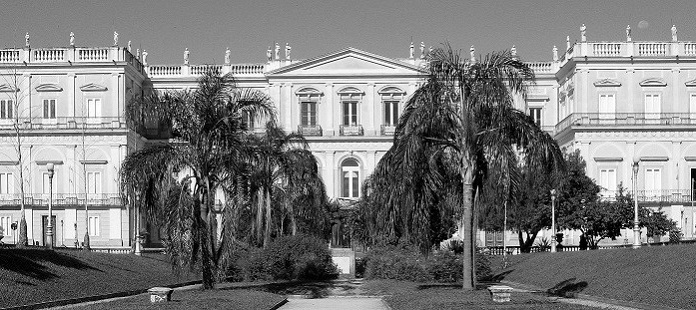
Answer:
[(9, 56), (627, 119), (540, 66), (164, 70), (631, 49), (185, 70), (655, 195), (606, 49), (26, 123), (307, 130), (103, 199), (354, 130), (49, 55), (388, 130), (70, 55), (201, 69), (242, 69)]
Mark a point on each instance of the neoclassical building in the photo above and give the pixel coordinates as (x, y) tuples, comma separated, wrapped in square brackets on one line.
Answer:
[(617, 102)]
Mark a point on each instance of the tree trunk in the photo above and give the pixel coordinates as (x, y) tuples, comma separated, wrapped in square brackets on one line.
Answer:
[(259, 215), (469, 275), (267, 235)]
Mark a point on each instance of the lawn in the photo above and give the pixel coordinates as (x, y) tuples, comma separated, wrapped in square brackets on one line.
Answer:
[(29, 276), (411, 295), (233, 299), (657, 275)]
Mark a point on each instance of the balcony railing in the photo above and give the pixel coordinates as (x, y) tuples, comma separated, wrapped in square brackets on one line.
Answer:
[(632, 49), (656, 195), (70, 55), (197, 70), (355, 130), (388, 130), (308, 130), (627, 119), (60, 199), (90, 123)]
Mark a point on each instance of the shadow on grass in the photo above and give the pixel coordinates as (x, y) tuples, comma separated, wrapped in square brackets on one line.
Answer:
[(28, 262), (568, 288), (501, 275), (308, 289)]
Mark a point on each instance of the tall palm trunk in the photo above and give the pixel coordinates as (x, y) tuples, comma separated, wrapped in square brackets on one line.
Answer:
[(469, 276), (202, 204), (259, 214), (267, 234)]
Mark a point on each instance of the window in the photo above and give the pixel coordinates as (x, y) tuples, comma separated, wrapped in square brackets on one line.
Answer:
[(391, 112), (391, 96), (692, 105), (93, 184), (6, 181), (6, 107), (535, 113), (308, 112), (350, 96), (653, 182), (93, 108), (5, 226), (94, 226), (652, 106), (607, 106), (350, 183), (49, 108), (607, 180)]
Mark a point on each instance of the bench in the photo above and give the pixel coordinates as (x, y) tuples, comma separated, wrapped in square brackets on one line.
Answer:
[(500, 293), (160, 294)]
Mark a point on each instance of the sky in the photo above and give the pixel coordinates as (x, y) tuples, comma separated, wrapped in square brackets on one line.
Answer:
[(165, 28)]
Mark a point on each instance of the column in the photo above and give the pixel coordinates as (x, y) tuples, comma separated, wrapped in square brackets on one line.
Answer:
[(327, 107), (71, 94), (633, 106), (329, 173), (368, 111), (675, 94), (370, 163), (584, 92), (115, 102), (294, 108), (284, 106), (378, 111)]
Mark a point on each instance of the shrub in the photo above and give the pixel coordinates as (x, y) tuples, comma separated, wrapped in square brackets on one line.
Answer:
[(298, 257), (406, 263), (675, 235)]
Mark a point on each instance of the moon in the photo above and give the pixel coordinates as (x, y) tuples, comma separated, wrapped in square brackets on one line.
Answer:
[(643, 24)]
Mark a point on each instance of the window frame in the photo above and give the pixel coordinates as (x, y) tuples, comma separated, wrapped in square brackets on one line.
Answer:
[(94, 225), (6, 109), (350, 179), (652, 114), (51, 110)]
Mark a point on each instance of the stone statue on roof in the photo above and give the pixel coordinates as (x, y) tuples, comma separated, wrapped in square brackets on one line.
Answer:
[(144, 58), (227, 55), (115, 38), (129, 46), (26, 40), (555, 53), (583, 33), (186, 56), (72, 39), (277, 51), (269, 54), (410, 51), (472, 54), (287, 51), (422, 50), (674, 33), (513, 51), (628, 33)]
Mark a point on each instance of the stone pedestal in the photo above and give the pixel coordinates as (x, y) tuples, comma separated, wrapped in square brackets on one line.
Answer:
[(160, 294), (344, 258), (500, 293)]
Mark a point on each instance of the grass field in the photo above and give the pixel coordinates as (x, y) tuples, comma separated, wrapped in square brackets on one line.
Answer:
[(29, 276), (657, 275)]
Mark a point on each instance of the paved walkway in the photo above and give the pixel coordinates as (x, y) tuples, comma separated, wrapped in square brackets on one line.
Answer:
[(336, 303)]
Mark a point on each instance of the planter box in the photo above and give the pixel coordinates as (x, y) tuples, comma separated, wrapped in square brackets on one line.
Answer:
[(500, 293), (160, 294)]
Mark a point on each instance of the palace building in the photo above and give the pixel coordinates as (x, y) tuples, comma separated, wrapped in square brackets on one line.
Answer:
[(622, 104)]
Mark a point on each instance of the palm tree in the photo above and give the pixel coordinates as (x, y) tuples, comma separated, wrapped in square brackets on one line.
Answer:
[(284, 168), (463, 120), (210, 138)]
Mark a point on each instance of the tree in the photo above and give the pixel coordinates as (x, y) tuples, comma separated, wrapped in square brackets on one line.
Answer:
[(657, 223), (209, 148), (462, 116)]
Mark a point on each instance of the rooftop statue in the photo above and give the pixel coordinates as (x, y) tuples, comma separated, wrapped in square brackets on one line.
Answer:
[(628, 33), (144, 57), (72, 39), (26, 40), (287, 51), (513, 51), (410, 51), (186, 56), (674, 33), (115, 38), (269, 54), (129, 45), (555, 53), (583, 33), (227, 55), (422, 50), (277, 51)]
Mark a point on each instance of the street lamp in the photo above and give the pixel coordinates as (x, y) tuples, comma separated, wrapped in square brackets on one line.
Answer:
[(553, 220), (137, 224), (636, 229), (49, 226)]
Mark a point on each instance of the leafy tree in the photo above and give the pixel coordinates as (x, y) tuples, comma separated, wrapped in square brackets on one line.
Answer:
[(657, 223), (460, 122), (209, 146)]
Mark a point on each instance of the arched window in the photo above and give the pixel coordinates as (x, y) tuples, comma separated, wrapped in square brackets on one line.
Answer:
[(391, 96), (309, 98), (350, 178)]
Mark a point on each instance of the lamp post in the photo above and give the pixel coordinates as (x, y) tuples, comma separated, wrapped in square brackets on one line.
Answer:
[(137, 225), (636, 229), (49, 226), (553, 220)]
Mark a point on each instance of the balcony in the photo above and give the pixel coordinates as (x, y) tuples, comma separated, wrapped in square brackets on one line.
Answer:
[(309, 130), (388, 130), (665, 196), (198, 70), (631, 49), (62, 199), (626, 119), (354, 130), (59, 123)]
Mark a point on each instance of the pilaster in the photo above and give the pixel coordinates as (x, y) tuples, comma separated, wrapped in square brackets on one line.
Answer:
[(328, 111), (369, 107)]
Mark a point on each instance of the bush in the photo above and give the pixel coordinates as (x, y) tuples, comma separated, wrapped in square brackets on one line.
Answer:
[(675, 235), (298, 257), (406, 263)]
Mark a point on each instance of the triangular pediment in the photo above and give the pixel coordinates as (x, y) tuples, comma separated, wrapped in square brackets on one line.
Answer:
[(7, 88), (349, 61), (607, 83), (653, 82), (691, 83), (93, 87), (48, 87)]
